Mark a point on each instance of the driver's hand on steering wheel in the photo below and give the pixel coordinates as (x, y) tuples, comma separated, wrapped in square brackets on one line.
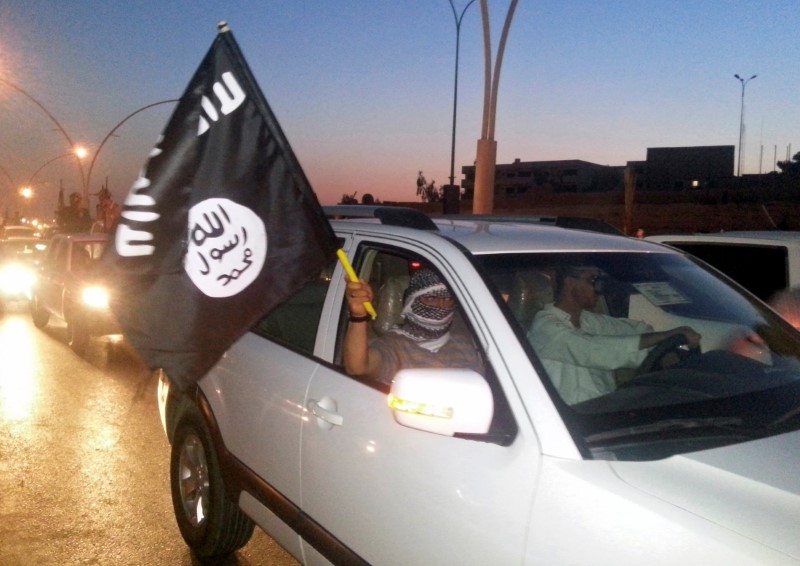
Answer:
[(692, 337)]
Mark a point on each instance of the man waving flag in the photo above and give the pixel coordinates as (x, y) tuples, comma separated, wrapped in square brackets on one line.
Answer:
[(221, 226)]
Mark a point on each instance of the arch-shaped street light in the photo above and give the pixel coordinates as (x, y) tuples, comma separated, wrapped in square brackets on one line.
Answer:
[(76, 155), (486, 158), (72, 146), (115, 128), (457, 19)]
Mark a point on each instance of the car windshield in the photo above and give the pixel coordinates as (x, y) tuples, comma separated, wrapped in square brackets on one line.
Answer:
[(18, 232), (624, 398), (22, 249)]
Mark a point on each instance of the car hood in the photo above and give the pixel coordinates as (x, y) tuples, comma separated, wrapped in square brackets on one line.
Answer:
[(751, 488)]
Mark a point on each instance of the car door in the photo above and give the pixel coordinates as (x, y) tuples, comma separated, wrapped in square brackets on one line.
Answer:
[(257, 392), (394, 495), (50, 285)]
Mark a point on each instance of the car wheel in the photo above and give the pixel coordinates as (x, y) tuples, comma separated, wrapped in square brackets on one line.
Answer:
[(38, 314), (211, 524), (77, 336)]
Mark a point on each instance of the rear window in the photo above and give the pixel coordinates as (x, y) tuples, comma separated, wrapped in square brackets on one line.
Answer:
[(763, 270)]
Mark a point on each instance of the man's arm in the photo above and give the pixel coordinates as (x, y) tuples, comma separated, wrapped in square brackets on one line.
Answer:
[(650, 339), (359, 359)]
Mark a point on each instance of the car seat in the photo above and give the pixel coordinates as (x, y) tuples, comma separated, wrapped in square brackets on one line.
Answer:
[(530, 291), (390, 303)]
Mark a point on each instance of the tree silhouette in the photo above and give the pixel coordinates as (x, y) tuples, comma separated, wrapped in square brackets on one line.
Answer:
[(791, 167)]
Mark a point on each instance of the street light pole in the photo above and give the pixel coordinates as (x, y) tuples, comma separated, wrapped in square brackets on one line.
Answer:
[(46, 163), (486, 155), (114, 129), (61, 129), (458, 19), (741, 123)]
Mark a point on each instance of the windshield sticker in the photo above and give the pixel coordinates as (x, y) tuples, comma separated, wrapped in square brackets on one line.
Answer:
[(661, 293)]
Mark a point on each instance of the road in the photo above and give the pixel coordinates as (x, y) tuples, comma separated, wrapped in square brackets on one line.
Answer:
[(83, 460)]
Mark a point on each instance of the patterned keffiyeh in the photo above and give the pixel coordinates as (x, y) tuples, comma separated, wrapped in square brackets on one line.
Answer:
[(426, 325)]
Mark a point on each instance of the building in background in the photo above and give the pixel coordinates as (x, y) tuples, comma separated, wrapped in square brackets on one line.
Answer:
[(684, 168), (666, 169), (525, 178)]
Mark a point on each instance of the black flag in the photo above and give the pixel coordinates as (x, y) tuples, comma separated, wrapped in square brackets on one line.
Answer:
[(221, 226)]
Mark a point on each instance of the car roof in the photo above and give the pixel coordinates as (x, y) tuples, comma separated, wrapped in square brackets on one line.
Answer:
[(733, 237), (83, 236), (23, 240), (489, 236)]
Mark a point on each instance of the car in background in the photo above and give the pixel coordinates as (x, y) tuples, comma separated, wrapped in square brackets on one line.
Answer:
[(69, 287), (19, 258), (18, 231), (694, 463), (765, 262)]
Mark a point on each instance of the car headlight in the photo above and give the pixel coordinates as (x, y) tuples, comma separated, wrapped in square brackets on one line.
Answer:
[(95, 297), (16, 280)]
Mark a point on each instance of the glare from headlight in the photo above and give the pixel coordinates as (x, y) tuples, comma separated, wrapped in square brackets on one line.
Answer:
[(95, 297), (16, 280)]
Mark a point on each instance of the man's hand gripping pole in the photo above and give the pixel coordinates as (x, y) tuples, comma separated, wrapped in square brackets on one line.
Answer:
[(354, 278)]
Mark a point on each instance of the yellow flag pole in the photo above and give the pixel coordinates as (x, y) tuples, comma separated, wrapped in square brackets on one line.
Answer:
[(353, 277)]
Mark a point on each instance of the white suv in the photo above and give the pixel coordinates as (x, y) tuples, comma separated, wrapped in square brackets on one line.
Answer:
[(763, 261), (695, 464)]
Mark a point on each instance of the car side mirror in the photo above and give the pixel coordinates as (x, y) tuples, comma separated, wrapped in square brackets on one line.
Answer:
[(442, 401)]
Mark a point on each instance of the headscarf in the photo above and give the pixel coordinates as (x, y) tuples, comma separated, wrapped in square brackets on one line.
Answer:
[(428, 326)]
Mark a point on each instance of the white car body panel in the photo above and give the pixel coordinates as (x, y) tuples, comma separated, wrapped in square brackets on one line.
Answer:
[(265, 408), (377, 485), (759, 476), (584, 511)]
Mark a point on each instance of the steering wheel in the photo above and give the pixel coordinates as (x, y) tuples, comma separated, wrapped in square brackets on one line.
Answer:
[(677, 344)]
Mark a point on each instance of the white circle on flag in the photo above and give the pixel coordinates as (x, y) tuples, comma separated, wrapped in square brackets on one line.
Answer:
[(227, 247)]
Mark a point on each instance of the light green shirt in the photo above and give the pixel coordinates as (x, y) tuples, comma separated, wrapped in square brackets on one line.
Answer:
[(580, 361)]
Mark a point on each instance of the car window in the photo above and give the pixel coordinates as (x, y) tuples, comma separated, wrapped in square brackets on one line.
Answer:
[(760, 269), (81, 257), (59, 257), (389, 272), (610, 383), (295, 322)]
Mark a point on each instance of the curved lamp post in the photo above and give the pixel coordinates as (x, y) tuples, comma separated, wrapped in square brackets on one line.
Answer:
[(27, 190), (61, 129), (458, 19), (741, 123), (114, 129), (8, 176), (46, 163), (486, 158)]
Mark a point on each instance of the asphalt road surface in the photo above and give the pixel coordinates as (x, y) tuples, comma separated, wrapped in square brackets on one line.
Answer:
[(83, 460)]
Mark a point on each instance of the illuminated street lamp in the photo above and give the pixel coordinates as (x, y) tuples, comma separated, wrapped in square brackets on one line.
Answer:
[(741, 123), (27, 194)]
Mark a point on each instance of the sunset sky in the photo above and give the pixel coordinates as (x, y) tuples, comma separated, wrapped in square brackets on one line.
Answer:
[(363, 89)]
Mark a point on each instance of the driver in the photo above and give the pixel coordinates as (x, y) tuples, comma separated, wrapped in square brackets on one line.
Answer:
[(580, 348)]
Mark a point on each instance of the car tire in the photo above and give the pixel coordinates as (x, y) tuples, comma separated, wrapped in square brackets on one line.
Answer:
[(40, 316), (211, 524), (77, 335)]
